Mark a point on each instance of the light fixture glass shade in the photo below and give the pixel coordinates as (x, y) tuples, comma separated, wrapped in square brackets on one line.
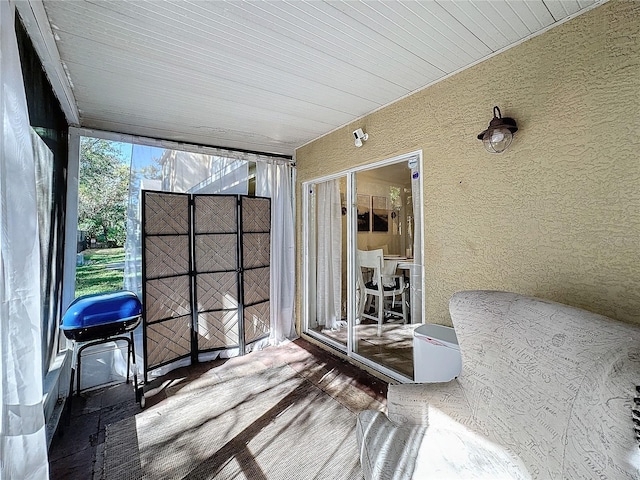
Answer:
[(497, 140), (498, 136)]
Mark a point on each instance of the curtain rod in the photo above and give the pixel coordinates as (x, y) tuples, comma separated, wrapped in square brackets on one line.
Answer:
[(173, 144)]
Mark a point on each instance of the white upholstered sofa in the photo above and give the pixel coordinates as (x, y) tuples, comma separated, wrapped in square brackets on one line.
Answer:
[(546, 392)]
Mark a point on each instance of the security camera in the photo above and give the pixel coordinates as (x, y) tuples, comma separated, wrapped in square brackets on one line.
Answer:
[(360, 136)]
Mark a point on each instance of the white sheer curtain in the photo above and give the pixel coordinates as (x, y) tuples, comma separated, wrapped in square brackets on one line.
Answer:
[(167, 170), (229, 176), (329, 251), (276, 181), (23, 444)]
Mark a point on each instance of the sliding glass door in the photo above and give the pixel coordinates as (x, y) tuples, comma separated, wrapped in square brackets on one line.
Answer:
[(327, 260), (362, 267), (383, 329)]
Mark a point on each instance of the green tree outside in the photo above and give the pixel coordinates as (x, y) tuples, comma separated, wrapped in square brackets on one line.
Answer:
[(102, 191)]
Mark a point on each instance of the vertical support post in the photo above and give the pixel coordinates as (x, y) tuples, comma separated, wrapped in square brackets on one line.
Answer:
[(71, 222), (192, 281), (143, 232), (352, 240), (240, 265)]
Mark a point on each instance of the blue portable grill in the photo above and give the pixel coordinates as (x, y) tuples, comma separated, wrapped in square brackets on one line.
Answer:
[(102, 318)]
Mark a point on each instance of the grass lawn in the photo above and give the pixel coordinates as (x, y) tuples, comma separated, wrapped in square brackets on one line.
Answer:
[(95, 277)]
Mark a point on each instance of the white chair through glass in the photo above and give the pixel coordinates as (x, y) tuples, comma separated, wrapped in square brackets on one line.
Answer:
[(375, 284)]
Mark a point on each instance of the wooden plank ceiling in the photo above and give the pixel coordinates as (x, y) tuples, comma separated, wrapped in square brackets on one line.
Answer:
[(271, 76)]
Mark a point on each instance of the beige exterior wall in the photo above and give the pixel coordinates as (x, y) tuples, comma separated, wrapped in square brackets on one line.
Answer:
[(558, 214)]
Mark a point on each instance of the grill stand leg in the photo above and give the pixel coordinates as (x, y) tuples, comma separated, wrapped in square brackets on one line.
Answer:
[(71, 378), (129, 357), (139, 390), (79, 365), (130, 351)]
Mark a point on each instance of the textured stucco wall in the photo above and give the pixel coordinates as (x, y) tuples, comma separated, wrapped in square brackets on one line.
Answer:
[(557, 215)]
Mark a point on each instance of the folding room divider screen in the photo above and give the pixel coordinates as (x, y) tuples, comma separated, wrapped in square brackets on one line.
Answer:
[(205, 270)]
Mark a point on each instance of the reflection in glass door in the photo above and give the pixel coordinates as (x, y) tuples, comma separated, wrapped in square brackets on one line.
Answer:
[(384, 262), (362, 263), (327, 265)]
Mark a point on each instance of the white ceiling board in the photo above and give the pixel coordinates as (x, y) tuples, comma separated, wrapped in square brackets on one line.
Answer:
[(271, 75), (535, 15), (407, 31), (563, 8), (256, 44), (441, 22), (375, 53), (481, 20), (205, 136), (240, 79), (106, 82), (163, 51), (363, 42)]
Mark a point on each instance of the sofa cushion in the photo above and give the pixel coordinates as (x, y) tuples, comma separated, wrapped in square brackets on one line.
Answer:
[(452, 450), (446, 449), (551, 382), (410, 404), (546, 392), (387, 450)]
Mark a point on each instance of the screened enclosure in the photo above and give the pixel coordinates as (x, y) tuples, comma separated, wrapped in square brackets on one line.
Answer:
[(202, 174)]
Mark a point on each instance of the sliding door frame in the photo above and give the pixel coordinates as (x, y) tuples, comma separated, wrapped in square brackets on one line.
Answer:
[(351, 250)]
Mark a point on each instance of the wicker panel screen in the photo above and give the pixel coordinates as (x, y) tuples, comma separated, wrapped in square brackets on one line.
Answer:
[(163, 214), (168, 340), (195, 283), (167, 298), (256, 214), (218, 329), (256, 322), (216, 253), (256, 257), (167, 295), (167, 256), (256, 250), (216, 266), (216, 214), (217, 291), (256, 285)]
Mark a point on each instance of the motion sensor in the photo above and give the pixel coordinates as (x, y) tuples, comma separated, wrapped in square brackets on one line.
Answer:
[(360, 137)]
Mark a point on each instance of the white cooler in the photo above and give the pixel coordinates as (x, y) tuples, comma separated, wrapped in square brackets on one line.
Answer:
[(436, 354)]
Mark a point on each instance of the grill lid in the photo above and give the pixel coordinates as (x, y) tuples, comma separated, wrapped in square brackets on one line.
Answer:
[(100, 309)]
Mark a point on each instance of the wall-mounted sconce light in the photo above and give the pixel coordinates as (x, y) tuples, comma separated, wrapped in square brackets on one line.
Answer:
[(360, 137), (498, 136)]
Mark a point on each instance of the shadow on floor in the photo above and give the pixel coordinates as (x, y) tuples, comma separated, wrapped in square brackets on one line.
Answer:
[(77, 449)]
